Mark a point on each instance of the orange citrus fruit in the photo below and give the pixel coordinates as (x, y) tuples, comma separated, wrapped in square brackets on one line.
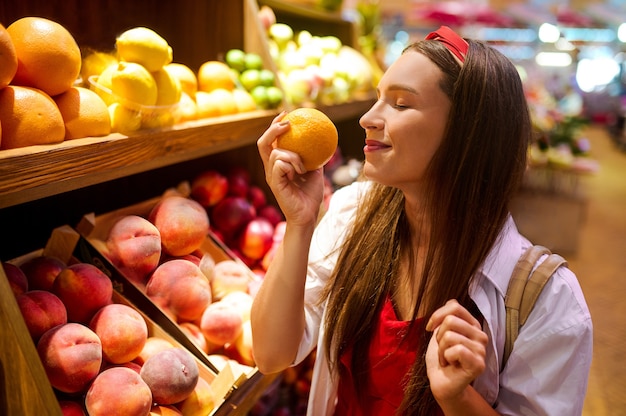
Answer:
[(215, 74), (312, 135), (186, 76), (8, 58), (48, 57), (84, 113), (29, 117), (218, 102)]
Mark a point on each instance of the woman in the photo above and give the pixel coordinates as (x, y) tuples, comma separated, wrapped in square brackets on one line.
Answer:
[(401, 284)]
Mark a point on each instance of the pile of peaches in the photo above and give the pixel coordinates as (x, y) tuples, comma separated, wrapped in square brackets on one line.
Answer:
[(100, 354)]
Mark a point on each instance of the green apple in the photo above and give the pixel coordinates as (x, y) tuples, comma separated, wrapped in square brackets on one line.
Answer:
[(274, 96), (235, 58), (267, 77), (250, 78), (253, 61), (259, 94)]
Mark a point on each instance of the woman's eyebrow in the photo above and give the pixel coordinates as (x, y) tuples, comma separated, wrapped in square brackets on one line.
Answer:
[(400, 87)]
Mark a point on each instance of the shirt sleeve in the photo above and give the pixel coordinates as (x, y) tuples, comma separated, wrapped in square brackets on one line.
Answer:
[(548, 369), (323, 253)]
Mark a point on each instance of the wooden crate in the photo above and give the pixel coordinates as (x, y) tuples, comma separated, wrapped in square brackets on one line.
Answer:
[(24, 386), (248, 383)]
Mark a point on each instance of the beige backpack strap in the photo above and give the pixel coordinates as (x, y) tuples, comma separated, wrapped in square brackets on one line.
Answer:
[(517, 291)]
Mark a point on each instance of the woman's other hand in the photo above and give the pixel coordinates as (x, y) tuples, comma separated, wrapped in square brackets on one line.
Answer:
[(456, 352)]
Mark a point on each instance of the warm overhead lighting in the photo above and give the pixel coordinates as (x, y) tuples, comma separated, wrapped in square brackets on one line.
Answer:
[(549, 33), (621, 33), (553, 59)]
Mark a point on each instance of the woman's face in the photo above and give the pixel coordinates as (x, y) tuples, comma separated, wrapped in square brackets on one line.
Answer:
[(405, 126)]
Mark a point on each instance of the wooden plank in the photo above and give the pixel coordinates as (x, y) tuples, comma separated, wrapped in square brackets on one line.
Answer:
[(39, 171), (24, 386)]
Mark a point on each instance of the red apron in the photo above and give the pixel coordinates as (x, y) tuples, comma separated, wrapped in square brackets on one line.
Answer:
[(391, 361)]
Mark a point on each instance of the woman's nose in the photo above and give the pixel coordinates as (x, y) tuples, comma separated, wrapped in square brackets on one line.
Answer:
[(370, 120)]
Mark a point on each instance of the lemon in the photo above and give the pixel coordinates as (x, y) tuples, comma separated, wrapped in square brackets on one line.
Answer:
[(157, 120), (144, 46), (243, 100), (95, 63), (186, 109), (123, 119), (102, 84), (168, 87), (186, 76), (133, 83)]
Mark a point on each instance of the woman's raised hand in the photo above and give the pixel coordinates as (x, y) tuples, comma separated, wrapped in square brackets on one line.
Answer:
[(298, 193)]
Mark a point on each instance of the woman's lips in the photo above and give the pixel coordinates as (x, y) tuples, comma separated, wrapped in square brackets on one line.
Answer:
[(374, 145)]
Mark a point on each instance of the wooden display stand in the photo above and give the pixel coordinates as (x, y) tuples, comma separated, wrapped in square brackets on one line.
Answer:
[(39, 178)]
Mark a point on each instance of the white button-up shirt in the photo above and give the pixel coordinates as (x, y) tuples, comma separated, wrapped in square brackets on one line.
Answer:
[(548, 369)]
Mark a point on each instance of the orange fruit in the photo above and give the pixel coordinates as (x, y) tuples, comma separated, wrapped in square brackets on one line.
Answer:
[(312, 135), (215, 74), (186, 76), (84, 113), (29, 117), (8, 58), (218, 102), (48, 57)]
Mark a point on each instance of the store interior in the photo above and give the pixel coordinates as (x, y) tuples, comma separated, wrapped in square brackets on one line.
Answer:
[(571, 56)]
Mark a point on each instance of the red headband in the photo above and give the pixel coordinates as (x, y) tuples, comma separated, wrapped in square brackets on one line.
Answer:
[(455, 44)]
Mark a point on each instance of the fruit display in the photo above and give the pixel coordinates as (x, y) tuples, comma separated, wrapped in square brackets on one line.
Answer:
[(134, 87), (39, 103), (165, 249), (100, 354), (254, 78), (316, 69)]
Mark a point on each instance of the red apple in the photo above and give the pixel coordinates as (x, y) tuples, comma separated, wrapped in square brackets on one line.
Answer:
[(231, 214), (257, 197), (238, 181), (209, 188), (273, 214), (256, 238), (17, 278)]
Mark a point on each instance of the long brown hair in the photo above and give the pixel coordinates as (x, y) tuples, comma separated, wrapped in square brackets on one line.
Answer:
[(471, 179)]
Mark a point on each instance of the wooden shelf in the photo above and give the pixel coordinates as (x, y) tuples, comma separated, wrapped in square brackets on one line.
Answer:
[(35, 172)]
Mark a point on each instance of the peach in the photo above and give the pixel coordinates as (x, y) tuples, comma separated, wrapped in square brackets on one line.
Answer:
[(118, 391), (209, 188), (71, 355), (41, 271), (229, 276), (152, 346), (171, 375), (243, 345), (242, 301), (200, 402), (134, 247), (130, 364), (84, 289), (41, 310), (182, 222), (71, 408), (221, 323), (122, 331), (183, 288), (16, 277), (195, 334), (165, 410)]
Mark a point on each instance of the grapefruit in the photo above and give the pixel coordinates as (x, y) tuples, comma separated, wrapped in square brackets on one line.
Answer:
[(29, 117), (8, 58), (48, 56), (84, 113)]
